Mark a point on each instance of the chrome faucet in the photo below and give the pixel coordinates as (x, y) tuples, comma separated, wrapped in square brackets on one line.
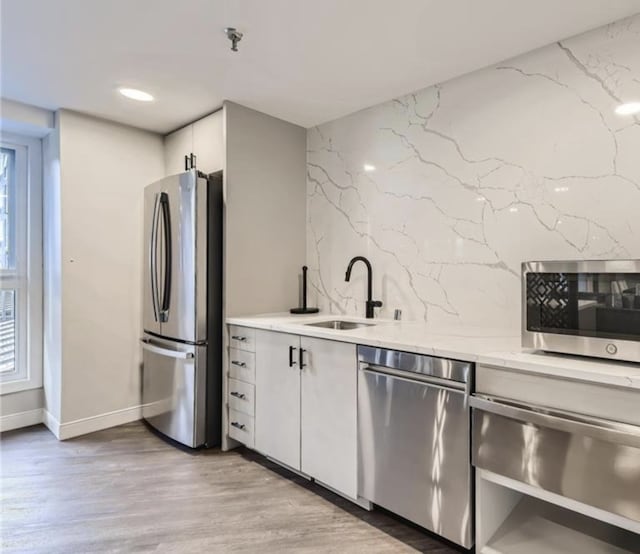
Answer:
[(370, 304)]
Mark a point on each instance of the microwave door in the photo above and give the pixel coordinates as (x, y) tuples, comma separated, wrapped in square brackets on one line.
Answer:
[(589, 308)]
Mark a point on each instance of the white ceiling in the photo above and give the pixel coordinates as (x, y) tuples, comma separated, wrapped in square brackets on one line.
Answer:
[(306, 61)]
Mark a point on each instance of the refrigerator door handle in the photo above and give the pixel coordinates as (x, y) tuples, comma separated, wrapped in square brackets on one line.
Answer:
[(166, 227), (153, 258), (146, 345)]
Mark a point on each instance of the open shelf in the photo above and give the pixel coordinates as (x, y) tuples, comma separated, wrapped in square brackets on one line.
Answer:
[(535, 526)]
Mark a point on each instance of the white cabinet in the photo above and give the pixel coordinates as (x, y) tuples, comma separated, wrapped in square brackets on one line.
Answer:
[(329, 443), (241, 427), (176, 146), (239, 387), (204, 139), (208, 143), (242, 397), (242, 338), (277, 430), (242, 365), (306, 416)]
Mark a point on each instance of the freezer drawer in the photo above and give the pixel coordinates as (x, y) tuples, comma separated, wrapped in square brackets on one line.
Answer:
[(174, 389), (414, 454), (593, 461)]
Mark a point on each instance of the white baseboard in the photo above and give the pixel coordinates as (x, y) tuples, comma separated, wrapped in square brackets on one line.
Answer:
[(70, 429), (21, 419), (51, 423), (97, 423)]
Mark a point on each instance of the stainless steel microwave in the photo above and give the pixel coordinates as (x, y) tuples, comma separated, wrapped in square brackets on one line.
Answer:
[(590, 308)]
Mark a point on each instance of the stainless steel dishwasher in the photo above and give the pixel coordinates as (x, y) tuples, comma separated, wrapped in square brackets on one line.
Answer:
[(414, 439)]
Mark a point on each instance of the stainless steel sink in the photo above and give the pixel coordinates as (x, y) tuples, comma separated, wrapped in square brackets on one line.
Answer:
[(340, 325)]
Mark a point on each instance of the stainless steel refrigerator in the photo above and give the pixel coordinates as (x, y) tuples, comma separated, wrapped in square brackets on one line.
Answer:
[(182, 308)]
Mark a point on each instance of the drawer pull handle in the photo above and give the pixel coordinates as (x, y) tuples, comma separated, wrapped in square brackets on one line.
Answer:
[(239, 364), (238, 337), (240, 426), (238, 395)]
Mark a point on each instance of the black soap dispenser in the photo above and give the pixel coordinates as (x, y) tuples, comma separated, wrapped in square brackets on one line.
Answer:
[(304, 309)]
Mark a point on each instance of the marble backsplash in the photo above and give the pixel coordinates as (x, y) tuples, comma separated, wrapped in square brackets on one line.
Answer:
[(448, 190)]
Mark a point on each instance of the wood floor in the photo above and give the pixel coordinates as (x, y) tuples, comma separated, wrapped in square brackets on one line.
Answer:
[(126, 490)]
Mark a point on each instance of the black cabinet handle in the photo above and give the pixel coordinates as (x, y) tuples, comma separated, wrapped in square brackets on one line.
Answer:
[(189, 161), (301, 358), (237, 425), (239, 364), (238, 395), (291, 361), (238, 337)]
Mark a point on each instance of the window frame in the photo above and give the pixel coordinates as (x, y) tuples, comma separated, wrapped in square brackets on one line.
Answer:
[(27, 276)]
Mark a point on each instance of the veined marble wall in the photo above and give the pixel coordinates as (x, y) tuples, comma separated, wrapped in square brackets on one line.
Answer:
[(449, 189)]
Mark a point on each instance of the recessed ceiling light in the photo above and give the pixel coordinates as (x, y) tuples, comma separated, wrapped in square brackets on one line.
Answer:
[(628, 108), (369, 167), (135, 94)]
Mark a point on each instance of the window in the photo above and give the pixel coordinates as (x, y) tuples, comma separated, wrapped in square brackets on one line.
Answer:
[(20, 263)]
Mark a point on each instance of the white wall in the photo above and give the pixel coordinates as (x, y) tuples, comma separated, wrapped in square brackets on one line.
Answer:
[(24, 401), (52, 273), (523, 160), (25, 119), (104, 168), (264, 211), (265, 201)]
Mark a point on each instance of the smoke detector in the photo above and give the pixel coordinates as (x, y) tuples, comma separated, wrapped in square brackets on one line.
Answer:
[(234, 36)]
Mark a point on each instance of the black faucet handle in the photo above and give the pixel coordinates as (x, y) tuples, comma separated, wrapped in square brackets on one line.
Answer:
[(370, 304)]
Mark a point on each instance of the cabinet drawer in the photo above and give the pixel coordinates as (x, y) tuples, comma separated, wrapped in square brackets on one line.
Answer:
[(242, 338), (241, 428), (241, 397), (593, 399), (242, 365)]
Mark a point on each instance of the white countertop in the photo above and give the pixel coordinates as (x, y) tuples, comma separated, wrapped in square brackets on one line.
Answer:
[(474, 344)]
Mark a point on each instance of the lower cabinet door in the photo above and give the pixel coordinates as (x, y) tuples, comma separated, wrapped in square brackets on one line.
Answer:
[(277, 397), (329, 381)]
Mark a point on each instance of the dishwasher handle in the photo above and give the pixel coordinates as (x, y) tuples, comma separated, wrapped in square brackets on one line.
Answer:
[(619, 433), (415, 377)]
